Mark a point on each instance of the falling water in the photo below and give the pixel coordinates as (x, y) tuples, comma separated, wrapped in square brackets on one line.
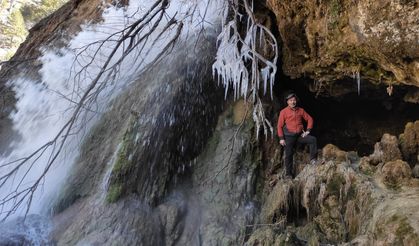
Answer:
[(44, 107)]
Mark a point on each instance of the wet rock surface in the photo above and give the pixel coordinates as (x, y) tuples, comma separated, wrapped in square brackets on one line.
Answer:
[(396, 172), (32, 230), (354, 200), (211, 204), (146, 179), (386, 150), (184, 191), (409, 142)]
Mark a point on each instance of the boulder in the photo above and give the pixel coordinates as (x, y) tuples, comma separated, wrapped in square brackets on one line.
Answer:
[(277, 203), (396, 172), (397, 229), (333, 153), (172, 219), (386, 150), (415, 171), (329, 220), (365, 166), (409, 142)]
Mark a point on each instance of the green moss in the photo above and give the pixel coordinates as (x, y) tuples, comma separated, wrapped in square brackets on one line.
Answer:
[(402, 139), (122, 162), (334, 185), (393, 186), (123, 165), (404, 231), (114, 193), (351, 194), (335, 8), (368, 172), (356, 59)]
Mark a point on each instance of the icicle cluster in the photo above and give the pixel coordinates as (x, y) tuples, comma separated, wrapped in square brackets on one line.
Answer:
[(358, 82), (260, 119), (357, 76), (241, 67)]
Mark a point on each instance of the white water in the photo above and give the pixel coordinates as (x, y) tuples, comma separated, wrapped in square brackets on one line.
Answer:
[(44, 107)]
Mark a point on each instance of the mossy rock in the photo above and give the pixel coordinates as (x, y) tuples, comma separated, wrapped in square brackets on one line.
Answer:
[(330, 221), (333, 153), (123, 164), (396, 230), (334, 185), (264, 236), (365, 167), (396, 173), (409, 141), (114, 193)]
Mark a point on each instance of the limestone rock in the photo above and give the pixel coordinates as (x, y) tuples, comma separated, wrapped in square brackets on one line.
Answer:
[(396, 172), (412, 96), (415, 171), (171, 217), (241, 111), (329, 220), (267, 237), (396, 220), (365, 166), (397, 229), (276, 203), (332, 152), (333, 196), (333, 39), (262, 237), (386, 150), (409, 141)]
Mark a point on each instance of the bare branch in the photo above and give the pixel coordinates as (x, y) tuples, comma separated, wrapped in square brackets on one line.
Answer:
[(142, 33)]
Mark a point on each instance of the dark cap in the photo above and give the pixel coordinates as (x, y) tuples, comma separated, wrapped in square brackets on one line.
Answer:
[(291, 95)]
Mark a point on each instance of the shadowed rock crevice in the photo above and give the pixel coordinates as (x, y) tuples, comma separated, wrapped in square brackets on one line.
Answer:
[(351, 121)]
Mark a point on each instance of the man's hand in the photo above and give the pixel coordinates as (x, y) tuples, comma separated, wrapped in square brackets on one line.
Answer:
[(282, 142), (305, 133)]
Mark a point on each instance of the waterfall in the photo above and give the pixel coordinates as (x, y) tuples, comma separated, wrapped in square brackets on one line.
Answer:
[(44, 108)]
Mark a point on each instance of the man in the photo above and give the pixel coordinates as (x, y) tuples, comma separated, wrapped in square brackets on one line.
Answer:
[(291, 130)]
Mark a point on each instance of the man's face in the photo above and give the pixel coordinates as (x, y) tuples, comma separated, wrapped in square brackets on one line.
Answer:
[(292, 102)]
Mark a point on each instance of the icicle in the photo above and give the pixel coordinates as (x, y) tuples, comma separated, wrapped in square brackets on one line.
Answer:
[(239, 64), (358, 82)]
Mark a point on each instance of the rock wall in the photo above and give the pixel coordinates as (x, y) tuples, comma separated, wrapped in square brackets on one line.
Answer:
[(369, 200), (212, 202), (332, 39), (165, 167)]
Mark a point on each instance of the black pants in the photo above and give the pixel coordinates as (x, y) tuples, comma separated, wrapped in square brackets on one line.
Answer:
[(290, 143)]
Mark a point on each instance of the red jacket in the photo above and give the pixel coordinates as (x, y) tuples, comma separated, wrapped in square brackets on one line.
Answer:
[(293, 120)]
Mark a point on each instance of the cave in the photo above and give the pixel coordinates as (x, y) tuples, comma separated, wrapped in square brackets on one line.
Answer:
[(351, 121)]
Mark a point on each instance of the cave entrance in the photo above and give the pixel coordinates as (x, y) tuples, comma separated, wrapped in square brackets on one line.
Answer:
[(350, 121)]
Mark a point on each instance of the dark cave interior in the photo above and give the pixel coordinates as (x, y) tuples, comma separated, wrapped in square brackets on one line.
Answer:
[(350, 121)]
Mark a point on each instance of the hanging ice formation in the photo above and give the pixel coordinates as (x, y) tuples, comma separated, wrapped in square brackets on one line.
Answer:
[(241, 66), (357, 76)]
